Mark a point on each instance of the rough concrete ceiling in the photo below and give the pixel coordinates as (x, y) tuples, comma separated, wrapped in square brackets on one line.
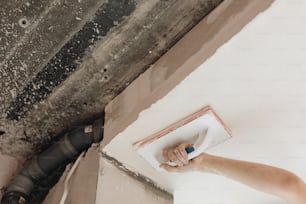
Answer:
[(62, 61)]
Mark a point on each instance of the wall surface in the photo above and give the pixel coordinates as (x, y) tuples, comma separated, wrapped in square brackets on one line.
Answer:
[(256, 83), (117, 187)]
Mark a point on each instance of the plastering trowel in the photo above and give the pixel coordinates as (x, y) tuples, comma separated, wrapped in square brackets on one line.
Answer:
[(203, 129)]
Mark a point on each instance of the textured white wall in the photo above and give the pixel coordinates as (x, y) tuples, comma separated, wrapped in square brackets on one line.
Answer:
[(257, 83)]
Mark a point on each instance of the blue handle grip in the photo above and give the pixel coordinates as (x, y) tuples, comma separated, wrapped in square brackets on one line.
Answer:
[(189, 149)]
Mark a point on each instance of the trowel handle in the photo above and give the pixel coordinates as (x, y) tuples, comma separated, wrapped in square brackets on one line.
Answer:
[(198, 146), (189, 149), (196, 149)]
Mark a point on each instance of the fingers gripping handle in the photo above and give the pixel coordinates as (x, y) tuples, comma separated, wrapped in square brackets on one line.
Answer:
[(197, 148)]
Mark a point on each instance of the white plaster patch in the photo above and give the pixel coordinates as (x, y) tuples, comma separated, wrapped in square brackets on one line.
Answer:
[(257, 83)]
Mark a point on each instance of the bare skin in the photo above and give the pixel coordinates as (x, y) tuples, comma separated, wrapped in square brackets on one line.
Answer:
[(268, 179)]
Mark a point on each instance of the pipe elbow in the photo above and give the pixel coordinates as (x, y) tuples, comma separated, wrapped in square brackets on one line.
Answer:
[(59, 154)]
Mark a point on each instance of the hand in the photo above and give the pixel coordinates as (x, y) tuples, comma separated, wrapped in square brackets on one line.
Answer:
[(179, 156)]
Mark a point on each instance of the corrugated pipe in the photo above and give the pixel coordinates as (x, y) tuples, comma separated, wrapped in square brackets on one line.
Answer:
[(61, 153)]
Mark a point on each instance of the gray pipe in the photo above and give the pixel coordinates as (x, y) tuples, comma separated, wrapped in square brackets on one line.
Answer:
[(61, 153)]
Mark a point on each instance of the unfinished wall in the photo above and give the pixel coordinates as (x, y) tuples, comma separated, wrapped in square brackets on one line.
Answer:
[(82, 185), (117, 187), (255, 82)]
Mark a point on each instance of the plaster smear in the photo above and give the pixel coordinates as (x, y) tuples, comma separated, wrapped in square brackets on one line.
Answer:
[(256, 83)]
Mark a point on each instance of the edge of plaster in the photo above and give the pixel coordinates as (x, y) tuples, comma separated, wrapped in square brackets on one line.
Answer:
[(142, 179), (191, 51)]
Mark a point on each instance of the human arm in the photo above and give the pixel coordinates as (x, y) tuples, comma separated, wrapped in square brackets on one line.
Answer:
[(262, 177)]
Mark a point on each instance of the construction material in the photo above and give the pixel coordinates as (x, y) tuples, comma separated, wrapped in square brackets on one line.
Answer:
[(70, 173)]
